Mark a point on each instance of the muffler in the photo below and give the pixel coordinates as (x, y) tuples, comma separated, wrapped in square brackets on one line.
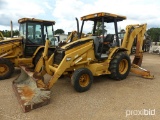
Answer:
[(28, 94)]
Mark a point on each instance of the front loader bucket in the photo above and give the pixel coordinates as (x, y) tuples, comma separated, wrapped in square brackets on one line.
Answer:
[(28, 94)]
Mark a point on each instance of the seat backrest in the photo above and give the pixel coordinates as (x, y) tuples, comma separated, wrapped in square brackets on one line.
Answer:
[(109, 38), (96, 44)]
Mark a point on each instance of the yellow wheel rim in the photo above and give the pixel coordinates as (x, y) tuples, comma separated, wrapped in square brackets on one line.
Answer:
[(84, 80), (3, 69), (123, 66)]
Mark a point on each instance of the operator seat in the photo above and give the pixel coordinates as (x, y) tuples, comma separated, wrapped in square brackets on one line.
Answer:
[(109, 38), (97, 48), (108, 42)]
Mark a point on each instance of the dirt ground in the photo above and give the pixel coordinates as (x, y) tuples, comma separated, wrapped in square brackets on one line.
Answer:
[(134, 98)]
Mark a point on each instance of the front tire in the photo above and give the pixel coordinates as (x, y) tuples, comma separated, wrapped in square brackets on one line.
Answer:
[(6, 68), (82, 79), (39, 55), (120, 66)]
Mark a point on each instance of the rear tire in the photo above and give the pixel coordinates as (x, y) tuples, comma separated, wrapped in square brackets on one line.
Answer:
[(82, 79), (120, 66), (6, 68)]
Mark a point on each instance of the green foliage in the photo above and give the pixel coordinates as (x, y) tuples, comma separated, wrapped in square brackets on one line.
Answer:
[(99, 29), (7, 33), (59, 31), (154, 33)]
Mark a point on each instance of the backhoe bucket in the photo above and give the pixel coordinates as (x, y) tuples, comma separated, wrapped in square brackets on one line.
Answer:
[(28, 94)]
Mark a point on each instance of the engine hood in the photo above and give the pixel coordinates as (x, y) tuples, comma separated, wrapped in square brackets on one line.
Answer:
[(77, 43)]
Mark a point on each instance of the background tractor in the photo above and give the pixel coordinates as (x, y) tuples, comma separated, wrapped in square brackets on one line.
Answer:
[(28, 47)]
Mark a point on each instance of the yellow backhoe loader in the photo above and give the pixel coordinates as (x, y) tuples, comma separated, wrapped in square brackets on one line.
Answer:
[(27, 48), (93, 55)]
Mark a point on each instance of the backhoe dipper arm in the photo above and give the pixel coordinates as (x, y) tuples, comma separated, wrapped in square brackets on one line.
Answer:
[(131, 32), (136, 31)]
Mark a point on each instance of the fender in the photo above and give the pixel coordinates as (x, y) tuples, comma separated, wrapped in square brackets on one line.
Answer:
[(38, 49), (114, 51), (41, 48)]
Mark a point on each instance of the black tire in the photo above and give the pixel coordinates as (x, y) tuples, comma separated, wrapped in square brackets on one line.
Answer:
[(6, 68), (38, 56), (120, 66), (82, 79)]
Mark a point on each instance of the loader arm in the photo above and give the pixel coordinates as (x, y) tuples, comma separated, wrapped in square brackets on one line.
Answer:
[(55, 70), (67, 62)]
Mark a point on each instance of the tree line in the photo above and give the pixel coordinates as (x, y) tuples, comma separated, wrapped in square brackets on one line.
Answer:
[(154, 33), (7, 33)]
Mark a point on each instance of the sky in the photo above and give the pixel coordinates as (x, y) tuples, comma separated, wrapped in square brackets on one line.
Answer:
[(63, 12)]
